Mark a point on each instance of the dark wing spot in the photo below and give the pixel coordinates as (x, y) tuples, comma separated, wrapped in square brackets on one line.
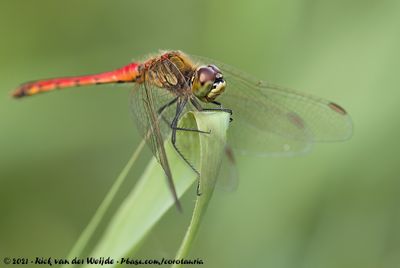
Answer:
[(337, 108), (229, 154), (296, 120)]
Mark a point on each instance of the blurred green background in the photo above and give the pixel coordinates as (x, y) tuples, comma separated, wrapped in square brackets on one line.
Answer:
[(59, 153)]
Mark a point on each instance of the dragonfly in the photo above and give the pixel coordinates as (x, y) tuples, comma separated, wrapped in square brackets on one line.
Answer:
[(267, 119)]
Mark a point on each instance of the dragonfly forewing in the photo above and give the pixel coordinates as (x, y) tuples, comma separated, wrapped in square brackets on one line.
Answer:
[(270, 120)]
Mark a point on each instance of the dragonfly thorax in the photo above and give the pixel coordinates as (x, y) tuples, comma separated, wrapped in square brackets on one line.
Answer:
[(208, 83)]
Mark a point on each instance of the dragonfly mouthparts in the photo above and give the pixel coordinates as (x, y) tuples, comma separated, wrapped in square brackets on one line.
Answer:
[(218, 79)]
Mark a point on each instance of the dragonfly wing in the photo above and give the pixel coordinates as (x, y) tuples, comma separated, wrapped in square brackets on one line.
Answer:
[(269, 119), (263, 128), (159, 98), (228, 177), (154, 108), (145, 107)]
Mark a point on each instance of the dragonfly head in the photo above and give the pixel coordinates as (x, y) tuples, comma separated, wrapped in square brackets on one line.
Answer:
[(208, 83)]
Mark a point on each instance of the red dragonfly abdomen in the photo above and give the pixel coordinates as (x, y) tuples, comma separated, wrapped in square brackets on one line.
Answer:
[(128, 73)]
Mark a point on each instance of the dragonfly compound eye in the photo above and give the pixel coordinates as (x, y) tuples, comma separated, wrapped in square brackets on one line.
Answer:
[(208, 83), (205, 75), (215, 68)]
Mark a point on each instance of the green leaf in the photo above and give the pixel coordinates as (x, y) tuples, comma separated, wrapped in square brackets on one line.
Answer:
[(212, 148)]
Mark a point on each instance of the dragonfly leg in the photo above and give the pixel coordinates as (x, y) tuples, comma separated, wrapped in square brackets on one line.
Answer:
[(183, 128), (192, 130), (162, 108), (165, 106), (226, 110), (197, 105), (198, 187), (220, 106), (217, 103), (179, 108)]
